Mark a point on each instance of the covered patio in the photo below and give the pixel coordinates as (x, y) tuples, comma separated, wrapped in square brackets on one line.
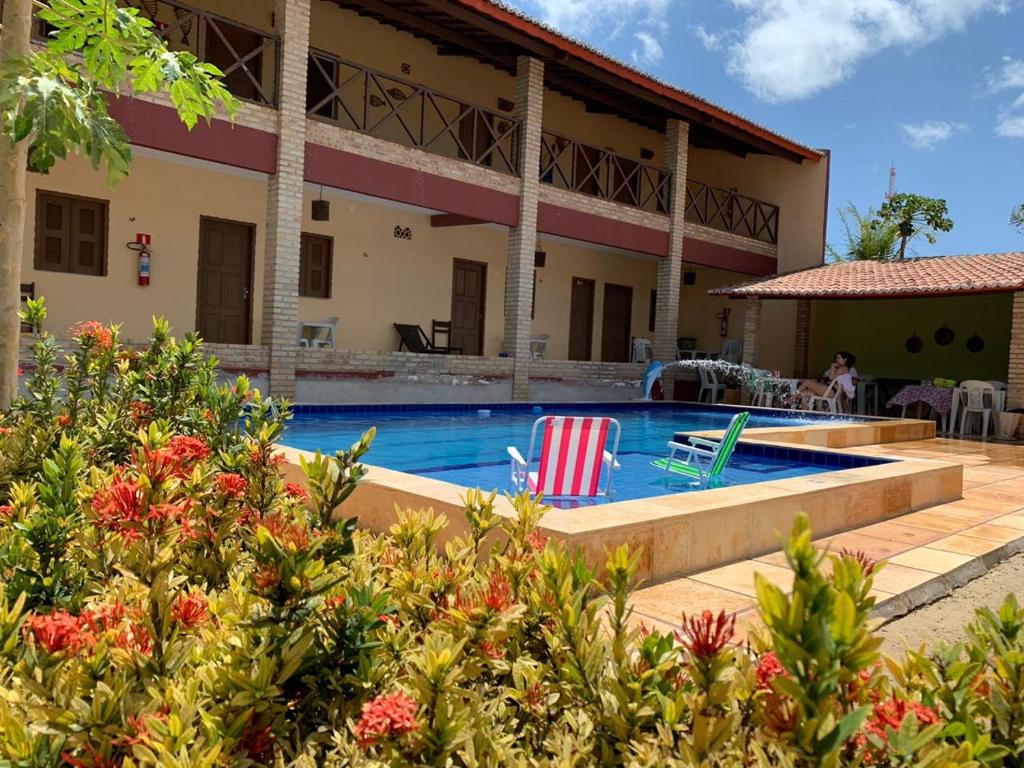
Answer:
[(909, 322)]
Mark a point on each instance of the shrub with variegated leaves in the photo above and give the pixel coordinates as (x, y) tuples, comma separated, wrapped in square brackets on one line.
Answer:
[(169, 599)]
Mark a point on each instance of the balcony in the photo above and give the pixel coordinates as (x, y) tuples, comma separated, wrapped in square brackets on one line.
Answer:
[(568, 164), (729, 211), (361, 99)]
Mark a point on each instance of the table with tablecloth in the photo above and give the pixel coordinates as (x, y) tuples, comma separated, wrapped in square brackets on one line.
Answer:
[(945, 400)]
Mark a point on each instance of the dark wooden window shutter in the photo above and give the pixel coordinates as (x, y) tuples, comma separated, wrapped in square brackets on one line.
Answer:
[(71, 234), (315, 266)]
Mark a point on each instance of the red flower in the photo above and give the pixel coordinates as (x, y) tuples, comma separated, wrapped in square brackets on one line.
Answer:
[(335, 601), (768, 668), (106, 616), (6, 510), (890, 714), (291, 535), (5, 431), (384, 716), (492, 650), (60, 631), (189, 450), (135, 637), (231, 485), (190, 610), (266, 577), (92, 334), (537, 540), (119, 508), (63, 421), (498, 596), (21, 371), (867, 565), (296, 491), (705, 635), (140, 411), (258, 742)]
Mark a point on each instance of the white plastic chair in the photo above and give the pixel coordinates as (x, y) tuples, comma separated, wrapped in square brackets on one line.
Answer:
[(539, 346), (641, 350), (978, 397), (709, 383), (732, 351), (831, 401)]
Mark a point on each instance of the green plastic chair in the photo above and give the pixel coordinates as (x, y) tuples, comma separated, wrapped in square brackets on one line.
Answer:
[(705, 459)]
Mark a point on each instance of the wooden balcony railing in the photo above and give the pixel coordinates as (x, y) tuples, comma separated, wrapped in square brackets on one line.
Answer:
[(569, 164), (247, 56), (729, 211), (361, 99)]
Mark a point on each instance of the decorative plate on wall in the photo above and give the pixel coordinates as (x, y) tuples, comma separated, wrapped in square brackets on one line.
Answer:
[(944, 336), (975, 344), (914, 344)]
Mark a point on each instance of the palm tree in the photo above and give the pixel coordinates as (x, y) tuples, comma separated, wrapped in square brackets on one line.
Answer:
[(867, 237), (1017, 217)]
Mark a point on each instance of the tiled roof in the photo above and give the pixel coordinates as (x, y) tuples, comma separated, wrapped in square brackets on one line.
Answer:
[(933, 276), (649, 82)]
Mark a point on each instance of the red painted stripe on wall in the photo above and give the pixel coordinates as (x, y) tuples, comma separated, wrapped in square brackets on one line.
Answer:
[(158, 127), (591, 228), (368, 176)]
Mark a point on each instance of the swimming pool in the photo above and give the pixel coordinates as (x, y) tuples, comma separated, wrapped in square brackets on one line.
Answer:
[(466, 445)]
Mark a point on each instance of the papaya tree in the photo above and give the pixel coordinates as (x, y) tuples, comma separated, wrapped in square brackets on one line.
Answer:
[(915, 216), (53, 102)]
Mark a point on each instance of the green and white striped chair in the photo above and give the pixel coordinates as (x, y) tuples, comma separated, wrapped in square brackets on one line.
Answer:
[(704, 459)]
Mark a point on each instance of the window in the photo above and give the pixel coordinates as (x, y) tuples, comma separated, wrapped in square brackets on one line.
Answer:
[(653, 316), (228, 45), (71, 234), (315, 266)]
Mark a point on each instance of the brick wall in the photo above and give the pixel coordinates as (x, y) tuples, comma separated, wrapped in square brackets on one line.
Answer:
[(752, 331), (1015, 378), (607, 209), (284, 200), (802, 338), (731, 240), (522, 239), (666, 321)]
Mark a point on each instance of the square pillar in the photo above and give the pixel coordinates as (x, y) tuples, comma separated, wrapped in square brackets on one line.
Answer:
[(751, 331), (522, 239), (670, 268), (1015, 369), (284, 200), (802, 339)]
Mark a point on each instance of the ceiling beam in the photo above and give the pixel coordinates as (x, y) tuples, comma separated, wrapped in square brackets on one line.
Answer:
[(453, 220)]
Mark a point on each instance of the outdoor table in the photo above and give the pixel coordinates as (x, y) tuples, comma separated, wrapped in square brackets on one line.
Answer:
[(940, 398), (998, 403)]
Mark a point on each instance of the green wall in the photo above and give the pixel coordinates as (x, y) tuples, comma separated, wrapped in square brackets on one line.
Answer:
[(876, 331)]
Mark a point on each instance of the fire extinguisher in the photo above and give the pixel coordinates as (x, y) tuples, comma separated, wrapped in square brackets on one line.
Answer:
[(141, 244), (723, 316)]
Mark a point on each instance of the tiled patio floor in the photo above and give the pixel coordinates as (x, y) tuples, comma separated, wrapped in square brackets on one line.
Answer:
[(928, 552)]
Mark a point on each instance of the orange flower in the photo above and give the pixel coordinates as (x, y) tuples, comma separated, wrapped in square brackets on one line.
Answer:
[(706, 635), (92, 334), (63, 421), (296, 491), (384, 716), (537, 540), (231, 485), (6, 510), (191, 610), (60, 631), (189, 450), (768, 668)]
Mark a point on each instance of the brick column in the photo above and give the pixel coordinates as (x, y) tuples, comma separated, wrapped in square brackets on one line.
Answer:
[(751, 331), (666, 319), (522, 239), (802, 338), (1015, 372), (284, 200)]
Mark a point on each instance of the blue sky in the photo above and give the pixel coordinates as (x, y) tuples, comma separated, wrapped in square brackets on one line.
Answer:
[(934, 86)]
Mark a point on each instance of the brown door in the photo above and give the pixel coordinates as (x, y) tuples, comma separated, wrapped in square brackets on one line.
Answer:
[(225, 280), (469, 284), (581, 319), (618, 312)]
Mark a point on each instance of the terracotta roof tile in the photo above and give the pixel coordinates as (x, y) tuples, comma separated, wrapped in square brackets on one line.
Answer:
[(931, 276)]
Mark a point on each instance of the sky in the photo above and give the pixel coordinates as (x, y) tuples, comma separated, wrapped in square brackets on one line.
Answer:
[(934, 87)]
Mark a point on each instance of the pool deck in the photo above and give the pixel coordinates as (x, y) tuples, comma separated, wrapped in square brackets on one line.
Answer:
[(928, 552)]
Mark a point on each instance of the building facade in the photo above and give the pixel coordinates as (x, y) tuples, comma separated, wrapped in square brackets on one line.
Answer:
[(442, 163)]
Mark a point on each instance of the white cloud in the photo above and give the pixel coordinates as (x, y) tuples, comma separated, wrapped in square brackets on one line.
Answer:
[(649, 53), (1008, 76), (792, 49), (712, 41), (608, 18), (930, 133)]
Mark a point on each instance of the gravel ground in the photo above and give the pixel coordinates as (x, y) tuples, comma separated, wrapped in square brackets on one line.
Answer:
[(945, 619)]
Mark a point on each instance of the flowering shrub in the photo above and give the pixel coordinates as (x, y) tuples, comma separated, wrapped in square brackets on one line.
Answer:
[(166, 598)]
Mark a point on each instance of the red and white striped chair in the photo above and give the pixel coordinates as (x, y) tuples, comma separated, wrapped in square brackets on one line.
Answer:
[(572, 456)]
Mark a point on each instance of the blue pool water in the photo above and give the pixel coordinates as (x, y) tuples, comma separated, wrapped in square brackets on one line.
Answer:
[(466, 445)]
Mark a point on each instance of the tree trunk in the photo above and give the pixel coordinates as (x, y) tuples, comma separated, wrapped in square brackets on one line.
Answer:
[(903, 246), (14, 42)]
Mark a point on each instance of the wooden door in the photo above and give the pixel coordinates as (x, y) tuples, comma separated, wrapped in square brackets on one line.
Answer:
[(581, 319), (469, 286), (615, 324), (225, 281)]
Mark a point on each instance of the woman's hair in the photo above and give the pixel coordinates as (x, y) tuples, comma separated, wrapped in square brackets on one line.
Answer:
[(849, 357)]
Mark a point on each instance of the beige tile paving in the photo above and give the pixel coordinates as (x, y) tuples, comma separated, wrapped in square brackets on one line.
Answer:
[(931, 559)]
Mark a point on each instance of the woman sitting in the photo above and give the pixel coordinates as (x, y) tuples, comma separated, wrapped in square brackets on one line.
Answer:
[(841, 370)]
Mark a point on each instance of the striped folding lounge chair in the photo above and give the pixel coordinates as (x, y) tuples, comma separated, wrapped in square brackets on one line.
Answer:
[(704, 460), (572, 456)]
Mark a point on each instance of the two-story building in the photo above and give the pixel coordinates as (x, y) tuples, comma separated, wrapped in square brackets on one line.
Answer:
[(450, 164)]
